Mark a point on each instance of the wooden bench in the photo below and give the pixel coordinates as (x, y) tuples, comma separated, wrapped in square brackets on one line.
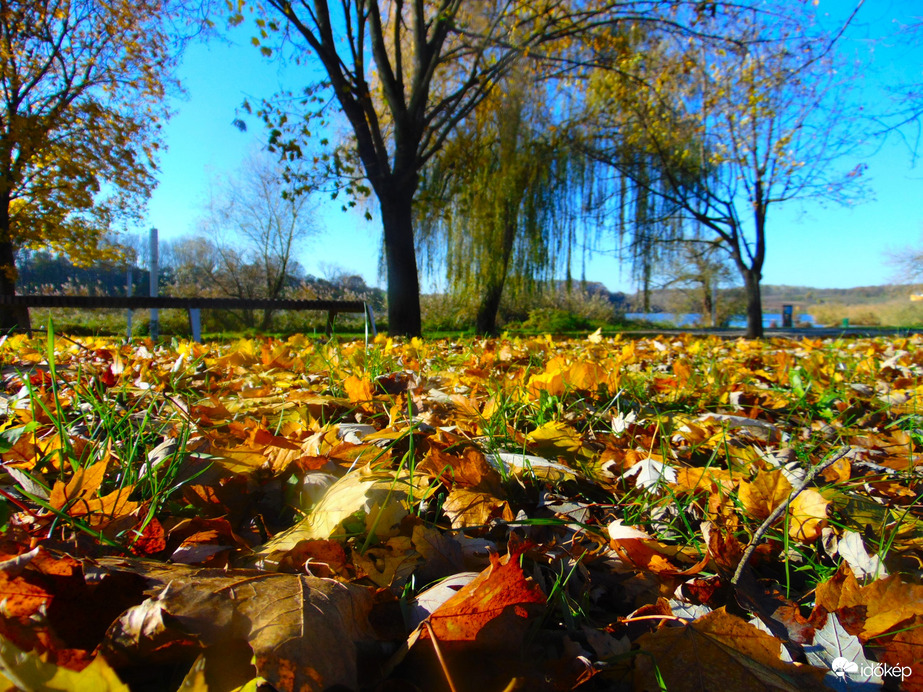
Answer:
[(194, 305)]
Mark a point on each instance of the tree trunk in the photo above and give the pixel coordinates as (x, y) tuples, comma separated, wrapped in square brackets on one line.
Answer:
[(754, 303), (485, 323), (10, 318), (401, 260)]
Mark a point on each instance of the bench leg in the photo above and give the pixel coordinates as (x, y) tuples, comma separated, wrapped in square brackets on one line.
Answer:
[(331, 316)]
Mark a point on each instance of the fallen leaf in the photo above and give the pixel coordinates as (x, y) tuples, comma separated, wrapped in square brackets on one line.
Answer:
[(381, 497), (302, 630), (807, 516), (718, 652), (766, 492), (466, 508), (493, 609), (832, 642), (851, 548), (27, 671)]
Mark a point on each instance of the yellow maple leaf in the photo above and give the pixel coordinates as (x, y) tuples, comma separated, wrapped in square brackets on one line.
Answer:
[(808, 516), (358, 390), (766, 492)]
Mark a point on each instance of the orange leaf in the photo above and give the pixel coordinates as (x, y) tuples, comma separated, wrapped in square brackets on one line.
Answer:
[(151, 540), (83, 484), (470, 470), (493, 609), (695, 480), (880, 605), (889, 602), (358, 390), (586, 376)]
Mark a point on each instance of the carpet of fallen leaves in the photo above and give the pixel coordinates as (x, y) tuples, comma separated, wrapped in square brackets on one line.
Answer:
[(682, 513)]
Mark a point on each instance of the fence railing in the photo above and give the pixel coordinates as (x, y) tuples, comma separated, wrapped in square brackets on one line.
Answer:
[(194, 305)]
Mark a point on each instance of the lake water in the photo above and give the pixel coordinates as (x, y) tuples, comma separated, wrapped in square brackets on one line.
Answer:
[(690, 319)]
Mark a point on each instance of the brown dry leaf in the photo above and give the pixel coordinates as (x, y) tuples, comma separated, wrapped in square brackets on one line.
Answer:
[(469, 470), (840, 591), (658, 557), (807, 516), (302, 630), (23, 453), (839, 471), (317, 558), (766, 492), (466, 508), (493, 609), (442, 554), (50, 609), (719, 652), (696, 480), (875, 608), (390, 565)]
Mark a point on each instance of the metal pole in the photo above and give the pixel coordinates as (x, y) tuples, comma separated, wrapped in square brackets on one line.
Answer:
[(155, 258), (714, 304), (128, 290)]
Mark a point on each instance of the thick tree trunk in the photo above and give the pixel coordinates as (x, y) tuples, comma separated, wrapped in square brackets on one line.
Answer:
[(485, 323), (754, 303), (401, 260), (10, 318)]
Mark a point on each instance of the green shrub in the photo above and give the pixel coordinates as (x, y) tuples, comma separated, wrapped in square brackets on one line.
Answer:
[(555, 320)]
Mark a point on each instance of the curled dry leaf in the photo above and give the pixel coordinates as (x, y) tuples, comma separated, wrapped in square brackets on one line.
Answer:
[(302, 630)]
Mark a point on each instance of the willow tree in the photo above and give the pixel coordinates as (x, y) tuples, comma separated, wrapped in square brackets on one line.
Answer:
[(82, 96), (735, 131), (500, 202), (405, 74)]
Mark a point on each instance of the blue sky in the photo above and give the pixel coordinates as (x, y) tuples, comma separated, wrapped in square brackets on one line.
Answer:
[(814, 244)]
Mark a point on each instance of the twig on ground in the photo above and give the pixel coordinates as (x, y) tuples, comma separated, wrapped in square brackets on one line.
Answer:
[(780, 510)]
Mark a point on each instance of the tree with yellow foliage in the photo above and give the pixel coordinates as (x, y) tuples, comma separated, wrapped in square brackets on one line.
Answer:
[(82, 98), (736, 130)]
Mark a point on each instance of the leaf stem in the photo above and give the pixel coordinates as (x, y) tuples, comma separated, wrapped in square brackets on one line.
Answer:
[(445, 668)]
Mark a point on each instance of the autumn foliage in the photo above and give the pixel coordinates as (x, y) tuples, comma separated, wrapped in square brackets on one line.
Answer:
[(596, 514)]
